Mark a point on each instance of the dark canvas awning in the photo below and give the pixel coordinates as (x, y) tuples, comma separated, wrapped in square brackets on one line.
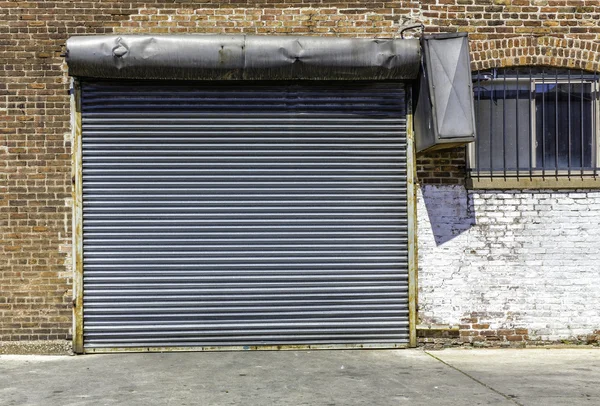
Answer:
[(224, 57)]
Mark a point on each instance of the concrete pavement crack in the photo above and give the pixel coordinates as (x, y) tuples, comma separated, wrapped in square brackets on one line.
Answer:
[(474, 379)]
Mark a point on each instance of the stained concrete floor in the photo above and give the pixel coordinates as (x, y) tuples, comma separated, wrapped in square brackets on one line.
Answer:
[(383, 377)]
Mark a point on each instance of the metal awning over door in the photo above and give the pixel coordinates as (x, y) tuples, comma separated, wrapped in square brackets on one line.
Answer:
[(244, 213)]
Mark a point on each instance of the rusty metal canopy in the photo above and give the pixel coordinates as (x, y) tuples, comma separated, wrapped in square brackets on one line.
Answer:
[(226, 57)]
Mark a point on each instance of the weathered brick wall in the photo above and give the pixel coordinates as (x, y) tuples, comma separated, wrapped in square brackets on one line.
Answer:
[(35, 188), (487, 265), (445, 167), (514, 265), (35, 193)]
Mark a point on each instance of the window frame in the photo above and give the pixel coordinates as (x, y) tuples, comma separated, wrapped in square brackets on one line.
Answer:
[(545, 177)]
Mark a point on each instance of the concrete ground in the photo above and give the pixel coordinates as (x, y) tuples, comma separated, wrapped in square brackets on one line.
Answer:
[(360, 377)]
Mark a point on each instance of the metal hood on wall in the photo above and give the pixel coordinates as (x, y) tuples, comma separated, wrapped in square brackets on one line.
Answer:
[(444, 110), (241, 57)]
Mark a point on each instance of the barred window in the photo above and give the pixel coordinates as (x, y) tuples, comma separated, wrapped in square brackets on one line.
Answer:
[(535, 122)]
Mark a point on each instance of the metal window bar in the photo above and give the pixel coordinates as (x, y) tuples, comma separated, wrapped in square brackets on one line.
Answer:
[(543, 124), (491, 146), (595, 134), (556, 136), (517, 151), (531, 118), (478, 147), (582, 127), (569, 164), (563, 131), (504, 126)]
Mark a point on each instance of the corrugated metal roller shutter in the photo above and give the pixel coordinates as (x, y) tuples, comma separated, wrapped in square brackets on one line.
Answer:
[(244, 214)]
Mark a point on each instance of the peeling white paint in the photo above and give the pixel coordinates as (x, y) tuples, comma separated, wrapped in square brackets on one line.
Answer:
[(524, 259)]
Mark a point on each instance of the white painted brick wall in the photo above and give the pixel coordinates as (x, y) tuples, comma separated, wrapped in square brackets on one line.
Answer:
[(524, 259)]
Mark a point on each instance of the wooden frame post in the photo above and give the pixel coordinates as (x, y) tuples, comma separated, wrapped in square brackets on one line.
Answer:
[(411, 202), (77, 190)]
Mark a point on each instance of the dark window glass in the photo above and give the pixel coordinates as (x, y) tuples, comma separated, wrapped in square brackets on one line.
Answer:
[(563, 125), (502, 117)]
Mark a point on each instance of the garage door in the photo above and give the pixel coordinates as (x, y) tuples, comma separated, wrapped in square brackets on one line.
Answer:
[(242, 214)]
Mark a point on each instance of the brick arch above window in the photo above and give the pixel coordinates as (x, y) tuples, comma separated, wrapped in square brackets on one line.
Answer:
[(536, 51)]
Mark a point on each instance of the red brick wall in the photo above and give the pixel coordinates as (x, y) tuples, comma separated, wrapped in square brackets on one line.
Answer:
[(35, 187)]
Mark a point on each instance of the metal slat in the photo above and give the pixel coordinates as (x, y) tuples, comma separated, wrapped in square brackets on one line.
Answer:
[(244, 214)]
